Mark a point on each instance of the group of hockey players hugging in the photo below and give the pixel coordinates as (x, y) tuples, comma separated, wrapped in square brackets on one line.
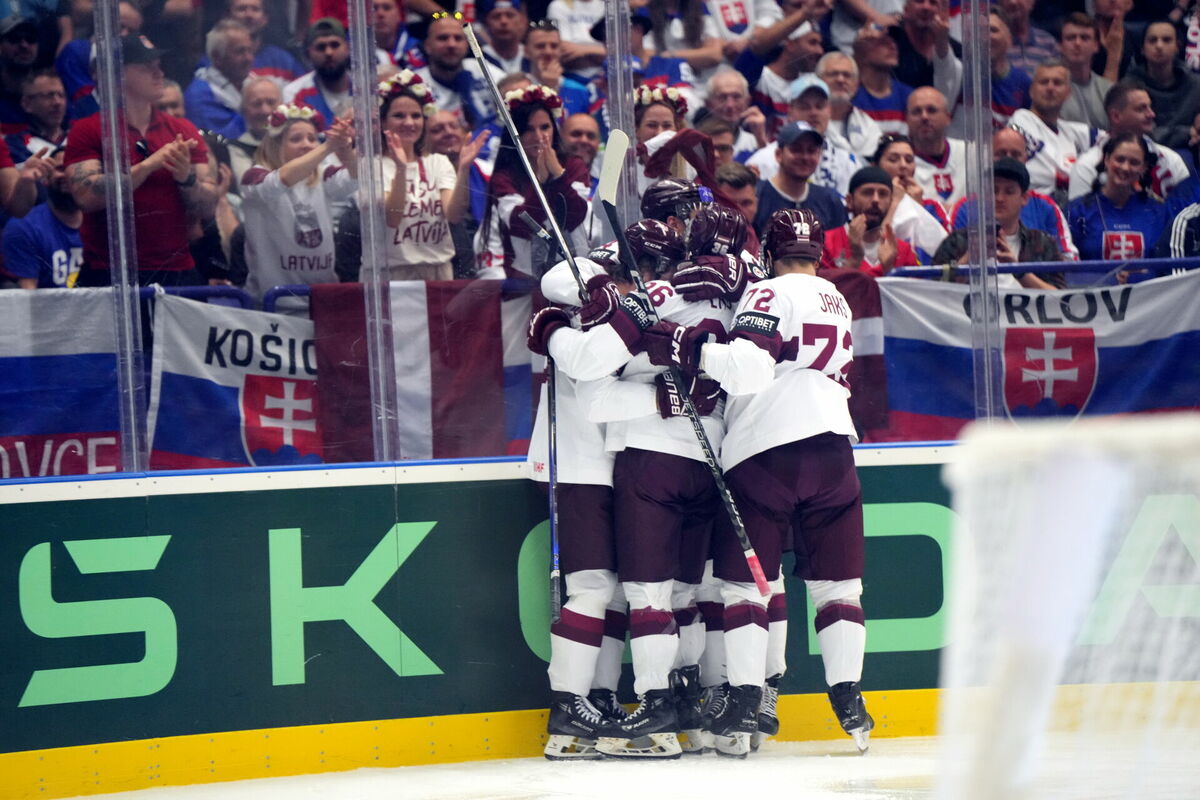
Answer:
[(764, 348)]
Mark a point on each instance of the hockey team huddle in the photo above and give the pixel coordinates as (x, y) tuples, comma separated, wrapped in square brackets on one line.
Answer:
[(762, 349)]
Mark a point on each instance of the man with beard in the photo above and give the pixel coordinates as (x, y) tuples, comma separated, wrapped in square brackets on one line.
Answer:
[(42, 250), (849, 128), (867, 242), (457, 82), (327, 87)]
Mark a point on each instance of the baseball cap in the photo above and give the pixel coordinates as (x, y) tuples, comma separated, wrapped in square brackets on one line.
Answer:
[(1013, 170), (803, 29), (137, 49), (794, 130), (804, 83), (488, 6), (325, 26), (868, 175), (15, 22)]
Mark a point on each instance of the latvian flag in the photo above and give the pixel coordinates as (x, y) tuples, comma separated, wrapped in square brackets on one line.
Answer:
[(462, 377)]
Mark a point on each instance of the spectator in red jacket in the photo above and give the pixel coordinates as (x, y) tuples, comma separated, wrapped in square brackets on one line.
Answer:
[(867, 241)]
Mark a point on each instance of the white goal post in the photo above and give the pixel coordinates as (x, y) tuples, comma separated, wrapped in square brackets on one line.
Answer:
[(1072, 668)]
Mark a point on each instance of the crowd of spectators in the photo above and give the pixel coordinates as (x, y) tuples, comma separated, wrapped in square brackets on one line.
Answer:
[(246, 166)]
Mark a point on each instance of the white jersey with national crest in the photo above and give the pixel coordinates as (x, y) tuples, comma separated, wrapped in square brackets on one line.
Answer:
[(628, 404), (785, 366)]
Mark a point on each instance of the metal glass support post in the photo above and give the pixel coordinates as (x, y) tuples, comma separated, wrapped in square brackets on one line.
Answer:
[(983, 293), (368, 138), (618, 105), (127, 317)]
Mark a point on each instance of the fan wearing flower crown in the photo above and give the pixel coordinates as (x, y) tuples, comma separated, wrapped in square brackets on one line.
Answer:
[(666, 146), (421, 201), (286, 197), (504, 240)]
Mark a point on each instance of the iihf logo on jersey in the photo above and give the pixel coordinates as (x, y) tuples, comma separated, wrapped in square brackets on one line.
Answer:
[(1048, 371), (279, 421)]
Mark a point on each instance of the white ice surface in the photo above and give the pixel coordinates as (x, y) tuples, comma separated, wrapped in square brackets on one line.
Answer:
[(893, 769)]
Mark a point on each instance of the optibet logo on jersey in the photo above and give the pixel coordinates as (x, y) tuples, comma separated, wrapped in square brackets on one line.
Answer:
[(280, 414), (1048, 371)]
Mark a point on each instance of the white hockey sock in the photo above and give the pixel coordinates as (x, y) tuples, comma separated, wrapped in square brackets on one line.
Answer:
[(777, 624), (691, 624), (745, 634), (576, 639), (653, 634), (842, 647), (612, 648)]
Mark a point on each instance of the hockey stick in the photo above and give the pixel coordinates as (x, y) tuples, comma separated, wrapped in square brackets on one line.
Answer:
[(610, 176), (551, 456)]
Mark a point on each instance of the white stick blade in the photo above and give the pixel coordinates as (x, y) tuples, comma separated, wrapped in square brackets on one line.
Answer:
[(610, 170)]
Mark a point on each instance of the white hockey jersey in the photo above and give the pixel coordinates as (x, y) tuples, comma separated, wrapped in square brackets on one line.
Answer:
[(1051, 153), (945, 178), (785, 369), (1169, 172), (628, 405), (579, 357)]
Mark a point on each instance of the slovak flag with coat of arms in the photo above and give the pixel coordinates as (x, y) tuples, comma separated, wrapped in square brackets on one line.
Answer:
[(231, 388)]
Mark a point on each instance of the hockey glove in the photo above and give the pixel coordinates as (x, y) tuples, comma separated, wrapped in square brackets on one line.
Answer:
[(671, 345), (705, 393), (711, 278), (603, 303), (542, 326)]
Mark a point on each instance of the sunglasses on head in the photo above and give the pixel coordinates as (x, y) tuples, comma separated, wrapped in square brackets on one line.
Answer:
[(543, 25)]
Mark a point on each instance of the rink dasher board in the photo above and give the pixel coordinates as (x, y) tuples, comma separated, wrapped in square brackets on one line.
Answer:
[(97, 573), (76, 487)]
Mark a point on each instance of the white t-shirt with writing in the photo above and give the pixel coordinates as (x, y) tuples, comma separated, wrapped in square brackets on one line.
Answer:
[(423, 237), (289, 229)]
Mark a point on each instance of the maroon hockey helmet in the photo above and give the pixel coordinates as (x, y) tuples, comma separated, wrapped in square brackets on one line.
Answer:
[(649, 238), (673, 197), (794, 233), (717, 231)]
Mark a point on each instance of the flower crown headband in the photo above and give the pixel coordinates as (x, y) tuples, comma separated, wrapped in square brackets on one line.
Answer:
[(290, 112), (669, 96), (540, 95), (407, 82)]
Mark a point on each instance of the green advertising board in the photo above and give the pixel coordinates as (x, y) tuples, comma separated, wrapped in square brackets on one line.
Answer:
[(181, 605)]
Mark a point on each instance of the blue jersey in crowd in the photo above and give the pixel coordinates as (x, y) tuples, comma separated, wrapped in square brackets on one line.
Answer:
[(1103, 232), (40, 246), (825, 203)]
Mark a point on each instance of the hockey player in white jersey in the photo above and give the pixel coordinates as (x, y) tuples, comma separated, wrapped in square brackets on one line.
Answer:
[(588, 641), (788, 460), (664, 503)]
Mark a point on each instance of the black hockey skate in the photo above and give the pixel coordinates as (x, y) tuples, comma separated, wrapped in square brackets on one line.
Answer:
[(685, 686), (649, 732), (847, 701), (768, 718), (605, 701), (736, 721), (712, 703), (574, 725)]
